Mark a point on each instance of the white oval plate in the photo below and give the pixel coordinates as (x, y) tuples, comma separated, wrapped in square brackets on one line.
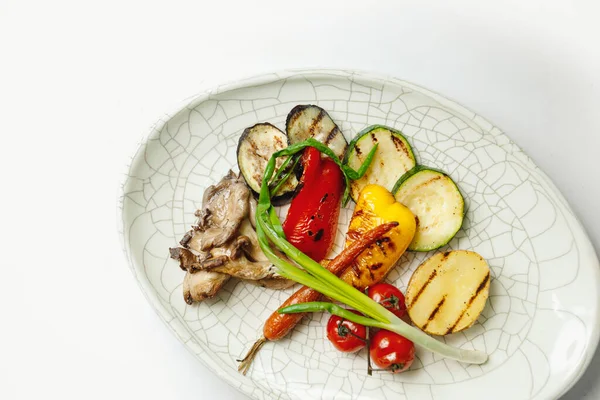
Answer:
[(540, 326)]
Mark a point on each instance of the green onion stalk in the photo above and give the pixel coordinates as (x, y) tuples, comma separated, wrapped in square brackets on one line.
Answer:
[(304, 270)]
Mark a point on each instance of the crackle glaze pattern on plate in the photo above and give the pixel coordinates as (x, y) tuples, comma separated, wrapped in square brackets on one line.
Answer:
[(540, 326)]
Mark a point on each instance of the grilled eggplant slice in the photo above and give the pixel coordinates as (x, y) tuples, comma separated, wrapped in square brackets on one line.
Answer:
[(255, 147), (437, 203), (305, 121), (448, 291), (394, 157)]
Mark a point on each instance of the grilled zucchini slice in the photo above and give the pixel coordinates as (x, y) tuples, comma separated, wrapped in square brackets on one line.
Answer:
[(255, 147), (394, 157), (305, 121), (437, 203), (448, 291)]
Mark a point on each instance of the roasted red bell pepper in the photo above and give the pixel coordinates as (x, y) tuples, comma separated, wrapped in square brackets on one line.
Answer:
[(311, 222)]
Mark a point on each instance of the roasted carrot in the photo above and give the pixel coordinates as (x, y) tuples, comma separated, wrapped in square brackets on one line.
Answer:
[(279, 325)]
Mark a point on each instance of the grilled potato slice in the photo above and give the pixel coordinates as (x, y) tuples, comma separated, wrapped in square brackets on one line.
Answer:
[(448, 291)]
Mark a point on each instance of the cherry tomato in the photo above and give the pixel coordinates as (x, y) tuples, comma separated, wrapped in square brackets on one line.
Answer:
[(388, 350), (345, 335), (390, 297)]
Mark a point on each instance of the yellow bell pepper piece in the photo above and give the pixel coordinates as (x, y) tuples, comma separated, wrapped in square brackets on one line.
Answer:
[(375, 206)]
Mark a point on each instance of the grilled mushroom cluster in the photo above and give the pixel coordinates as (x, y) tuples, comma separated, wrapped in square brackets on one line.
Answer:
[(223, 244)]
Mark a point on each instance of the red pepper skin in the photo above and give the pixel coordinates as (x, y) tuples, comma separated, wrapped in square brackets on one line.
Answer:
[(311, 222)]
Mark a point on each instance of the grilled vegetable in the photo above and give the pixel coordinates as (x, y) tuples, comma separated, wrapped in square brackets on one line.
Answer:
[(305, 121), (436, 201), (255, 147), (393, 159), (346, 336), (376, 206), (304, 270), (388, 296), (311, 222), (279, 325), (392, 352), (448, 291)]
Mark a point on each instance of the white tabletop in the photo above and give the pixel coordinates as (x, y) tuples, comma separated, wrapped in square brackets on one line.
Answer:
[(81, 82)]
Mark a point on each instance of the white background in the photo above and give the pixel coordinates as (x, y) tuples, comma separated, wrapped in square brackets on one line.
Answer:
[(81, 82)]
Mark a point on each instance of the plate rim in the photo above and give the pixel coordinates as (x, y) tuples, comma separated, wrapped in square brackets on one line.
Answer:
[(204, 93)]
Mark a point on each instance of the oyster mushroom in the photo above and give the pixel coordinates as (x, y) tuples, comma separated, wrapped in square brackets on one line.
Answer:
[(224, 244), (224, 206), (202, 285)]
